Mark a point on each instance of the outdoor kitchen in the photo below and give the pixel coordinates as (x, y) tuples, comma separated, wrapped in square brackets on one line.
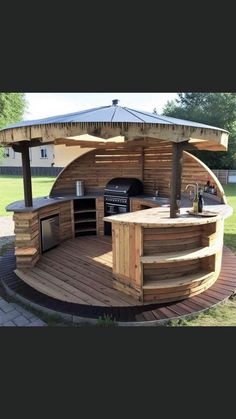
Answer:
[(120, 217)]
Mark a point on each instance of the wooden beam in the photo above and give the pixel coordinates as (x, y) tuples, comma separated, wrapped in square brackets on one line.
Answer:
[(18, 147), (26, 174), (175, 194)]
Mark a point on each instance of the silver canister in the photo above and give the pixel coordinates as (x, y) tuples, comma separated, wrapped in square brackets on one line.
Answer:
[(79, 188)]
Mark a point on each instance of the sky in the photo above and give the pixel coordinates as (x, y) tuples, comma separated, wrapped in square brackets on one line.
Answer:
[(42, 105)]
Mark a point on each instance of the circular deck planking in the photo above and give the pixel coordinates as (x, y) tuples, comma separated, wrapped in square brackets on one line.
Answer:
[(147, 315)]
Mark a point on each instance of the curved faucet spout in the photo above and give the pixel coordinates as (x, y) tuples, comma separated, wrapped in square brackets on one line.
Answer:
[(194, 186)]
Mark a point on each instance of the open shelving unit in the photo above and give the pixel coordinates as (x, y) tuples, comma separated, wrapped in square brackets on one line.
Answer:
[(193, 254), (85, 217)]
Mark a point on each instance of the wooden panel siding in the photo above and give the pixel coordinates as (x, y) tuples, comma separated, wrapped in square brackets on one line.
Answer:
[(100, 215), (149, 164), (163, 240), (127, 249), (157, 168), (27, 231)]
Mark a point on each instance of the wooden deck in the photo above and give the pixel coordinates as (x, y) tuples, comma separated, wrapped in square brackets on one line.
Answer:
[(78, 271), (150, 314)]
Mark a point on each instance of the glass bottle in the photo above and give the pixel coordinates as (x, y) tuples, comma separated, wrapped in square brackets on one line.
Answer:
[(200, 201), (195, 202)]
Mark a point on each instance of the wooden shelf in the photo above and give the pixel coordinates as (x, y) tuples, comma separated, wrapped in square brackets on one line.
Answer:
[(84, 211), (177, 282), (87, 220), (181, 256), (83, 229)]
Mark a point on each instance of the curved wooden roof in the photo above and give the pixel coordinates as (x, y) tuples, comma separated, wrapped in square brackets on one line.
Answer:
[(112, 123)]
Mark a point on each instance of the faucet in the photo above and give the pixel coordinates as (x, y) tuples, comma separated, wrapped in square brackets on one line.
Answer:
[(193, 185)]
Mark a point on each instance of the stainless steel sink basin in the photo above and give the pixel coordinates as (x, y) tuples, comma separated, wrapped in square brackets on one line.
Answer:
[(54, 197)]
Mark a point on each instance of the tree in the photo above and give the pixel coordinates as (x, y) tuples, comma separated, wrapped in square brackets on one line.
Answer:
[(216, 109), (12, 108)]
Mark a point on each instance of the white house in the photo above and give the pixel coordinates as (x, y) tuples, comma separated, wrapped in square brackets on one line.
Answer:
[(44, 156)]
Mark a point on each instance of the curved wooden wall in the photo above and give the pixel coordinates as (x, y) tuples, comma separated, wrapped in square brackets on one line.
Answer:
[(149, 164), (194, 170)]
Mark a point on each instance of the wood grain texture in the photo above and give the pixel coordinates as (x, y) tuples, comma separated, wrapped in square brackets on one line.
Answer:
[(28, 236), (147, 314), (79, 271), (170, 263), (151, 164), (127, 249)]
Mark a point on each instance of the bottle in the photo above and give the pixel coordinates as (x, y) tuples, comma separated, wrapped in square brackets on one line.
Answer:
[(195, 202), (200, 201)]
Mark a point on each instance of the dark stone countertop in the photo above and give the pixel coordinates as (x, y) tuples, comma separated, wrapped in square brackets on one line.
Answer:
[(38, 203), (44, 201)]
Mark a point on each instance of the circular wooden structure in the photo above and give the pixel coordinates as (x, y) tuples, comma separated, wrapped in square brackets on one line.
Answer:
[(162, 258)]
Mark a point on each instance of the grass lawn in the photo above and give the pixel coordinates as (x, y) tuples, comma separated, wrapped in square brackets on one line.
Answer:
[(221, 315), (11, 189), (230, 223)]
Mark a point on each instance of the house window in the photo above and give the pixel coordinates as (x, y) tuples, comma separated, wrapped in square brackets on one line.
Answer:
[(43, 153), (6, 152)]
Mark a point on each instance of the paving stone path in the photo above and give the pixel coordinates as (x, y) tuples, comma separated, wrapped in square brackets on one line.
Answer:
[(12, 314)]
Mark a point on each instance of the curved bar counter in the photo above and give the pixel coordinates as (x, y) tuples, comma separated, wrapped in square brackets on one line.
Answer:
[(159, 259)]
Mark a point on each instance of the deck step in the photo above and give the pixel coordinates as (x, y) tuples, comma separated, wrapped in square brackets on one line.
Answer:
[(173, 257), (176, 282)]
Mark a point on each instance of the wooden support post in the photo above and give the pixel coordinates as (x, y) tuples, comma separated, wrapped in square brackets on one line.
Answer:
[(26, 174), (175, 194)]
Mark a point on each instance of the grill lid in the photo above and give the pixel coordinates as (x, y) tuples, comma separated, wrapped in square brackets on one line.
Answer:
[(124, 187)]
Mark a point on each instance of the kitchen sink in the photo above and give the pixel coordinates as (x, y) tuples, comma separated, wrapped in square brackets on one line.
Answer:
[(54, 197)]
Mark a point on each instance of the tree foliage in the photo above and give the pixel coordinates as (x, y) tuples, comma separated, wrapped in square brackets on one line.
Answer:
[(12, 108), (216, 109)]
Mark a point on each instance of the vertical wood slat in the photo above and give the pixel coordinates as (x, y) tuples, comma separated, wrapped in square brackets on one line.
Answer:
[(127, 248), (121, 249), (100, 215), (131, 252), (138, 252), (114, 247)]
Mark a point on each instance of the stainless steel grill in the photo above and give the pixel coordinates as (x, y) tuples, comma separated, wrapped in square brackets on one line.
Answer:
[(116, 197)]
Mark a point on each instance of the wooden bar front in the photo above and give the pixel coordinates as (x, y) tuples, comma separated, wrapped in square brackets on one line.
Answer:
[(156, 259)]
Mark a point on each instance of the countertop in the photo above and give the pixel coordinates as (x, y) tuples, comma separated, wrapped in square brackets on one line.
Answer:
[(160, 217), (44, 201), (38, 203)]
